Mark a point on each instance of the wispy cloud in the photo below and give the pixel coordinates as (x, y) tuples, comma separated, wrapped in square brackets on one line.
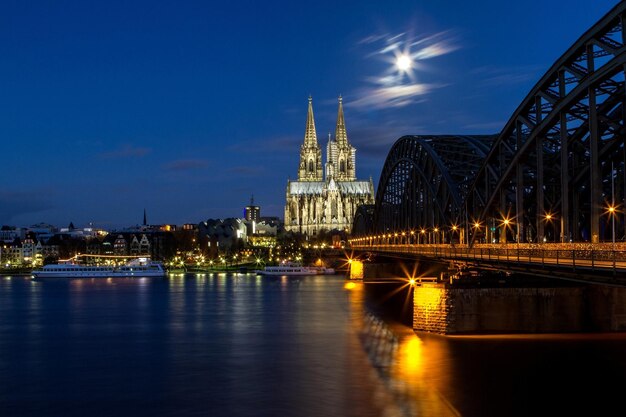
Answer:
[(398, 87), (375, 141), (15, 203), (246, 171), (185, 165), (126, 151), (392, 96), (491, 76), (273, 144)]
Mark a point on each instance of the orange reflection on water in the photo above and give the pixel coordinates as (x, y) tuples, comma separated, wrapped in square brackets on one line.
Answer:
[(410, 359), (409, 367), (419, 367)]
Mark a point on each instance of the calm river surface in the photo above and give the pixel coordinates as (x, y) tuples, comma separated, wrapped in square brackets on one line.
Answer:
[(245, 345)]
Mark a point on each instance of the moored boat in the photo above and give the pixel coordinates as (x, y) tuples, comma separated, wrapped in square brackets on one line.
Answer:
[(292, 268), (140, 267), (287, 268), (322, 270)]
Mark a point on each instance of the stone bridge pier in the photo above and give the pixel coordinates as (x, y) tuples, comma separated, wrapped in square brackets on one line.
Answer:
[(491, 302)]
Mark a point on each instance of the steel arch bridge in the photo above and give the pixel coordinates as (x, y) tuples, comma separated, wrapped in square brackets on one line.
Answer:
[(424, 181), (555, 172), (561, 154)]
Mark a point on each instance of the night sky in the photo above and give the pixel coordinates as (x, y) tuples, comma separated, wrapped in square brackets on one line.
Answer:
[(186, 108)]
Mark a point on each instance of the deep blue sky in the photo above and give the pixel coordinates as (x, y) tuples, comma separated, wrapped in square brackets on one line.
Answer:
[(186, 108)]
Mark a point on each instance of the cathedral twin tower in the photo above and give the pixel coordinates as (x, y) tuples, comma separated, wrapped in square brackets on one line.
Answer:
[(325, 199)]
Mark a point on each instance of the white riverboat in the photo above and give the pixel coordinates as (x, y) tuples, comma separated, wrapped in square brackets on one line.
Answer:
[(323, 270), (140, 267), (291, 268)]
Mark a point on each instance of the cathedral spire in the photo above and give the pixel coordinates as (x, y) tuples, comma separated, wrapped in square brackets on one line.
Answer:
[(310, 168), (340, 131), (310, 137)]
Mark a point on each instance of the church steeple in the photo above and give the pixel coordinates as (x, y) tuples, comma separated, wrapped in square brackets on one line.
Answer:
[(310, 168), (344, 154), (340, 131), (310, 136)]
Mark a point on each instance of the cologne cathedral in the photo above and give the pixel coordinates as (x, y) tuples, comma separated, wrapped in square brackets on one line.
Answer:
[(325, 199)]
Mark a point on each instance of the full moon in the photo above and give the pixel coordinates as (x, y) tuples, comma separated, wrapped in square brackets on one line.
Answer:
[(403, 62)]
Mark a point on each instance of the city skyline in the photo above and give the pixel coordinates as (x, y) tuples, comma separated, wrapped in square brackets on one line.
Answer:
[(188, 110)]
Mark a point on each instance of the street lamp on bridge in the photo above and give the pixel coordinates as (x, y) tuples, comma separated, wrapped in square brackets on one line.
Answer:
[(548, 217), (454, 228), (505, 224), (612, 210)]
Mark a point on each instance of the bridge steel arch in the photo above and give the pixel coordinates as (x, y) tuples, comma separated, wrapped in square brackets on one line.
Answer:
[(363, 220), (559, 162), (424, 181)]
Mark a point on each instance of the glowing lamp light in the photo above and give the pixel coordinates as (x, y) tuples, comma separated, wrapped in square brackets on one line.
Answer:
[(412, 282)]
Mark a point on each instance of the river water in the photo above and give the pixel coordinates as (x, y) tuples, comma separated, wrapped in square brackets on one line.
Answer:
[(245, 345)]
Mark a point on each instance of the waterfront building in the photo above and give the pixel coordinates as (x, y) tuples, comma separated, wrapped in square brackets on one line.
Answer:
[(8, 234), (120, 246), (318, 202), (134, 246), (223, 235), (252, 213), (26, 251)]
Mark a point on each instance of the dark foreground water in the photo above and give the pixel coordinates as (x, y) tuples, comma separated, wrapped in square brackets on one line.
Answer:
[(242, 345)]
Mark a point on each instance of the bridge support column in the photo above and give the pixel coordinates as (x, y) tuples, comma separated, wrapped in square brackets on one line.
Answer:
[(446, 309), (594, 165), (565, 216)]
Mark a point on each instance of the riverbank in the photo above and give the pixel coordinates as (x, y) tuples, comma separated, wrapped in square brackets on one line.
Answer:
[(15, 271)]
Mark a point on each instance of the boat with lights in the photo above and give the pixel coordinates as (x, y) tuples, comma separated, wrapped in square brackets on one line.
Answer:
[(293, 268), (139, 267), (323, 270)]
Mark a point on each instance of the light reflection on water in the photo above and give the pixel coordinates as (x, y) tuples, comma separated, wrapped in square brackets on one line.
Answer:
[(211, 344), (245, 345), (401, 362), (496, 375)]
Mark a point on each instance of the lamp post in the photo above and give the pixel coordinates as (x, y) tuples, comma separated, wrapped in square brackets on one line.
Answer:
[(454, 229), (612, 209), (612, 214), (477, 229), (548, 218)]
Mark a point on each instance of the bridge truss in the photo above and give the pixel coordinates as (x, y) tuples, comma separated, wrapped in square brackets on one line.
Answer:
[(558, 163), (555, 173), (424, 180)]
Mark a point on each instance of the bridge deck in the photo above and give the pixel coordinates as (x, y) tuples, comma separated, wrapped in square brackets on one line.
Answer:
[(597, 263)]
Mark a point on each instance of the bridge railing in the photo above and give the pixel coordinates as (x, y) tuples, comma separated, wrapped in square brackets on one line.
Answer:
[(601, 257)]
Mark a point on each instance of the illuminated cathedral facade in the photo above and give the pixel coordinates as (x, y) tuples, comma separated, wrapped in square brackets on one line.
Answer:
[(324, 199)]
